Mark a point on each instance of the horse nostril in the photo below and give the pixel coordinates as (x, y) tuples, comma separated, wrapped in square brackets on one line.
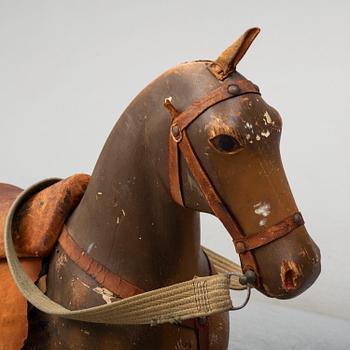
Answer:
[(290, 274), (289, 280)]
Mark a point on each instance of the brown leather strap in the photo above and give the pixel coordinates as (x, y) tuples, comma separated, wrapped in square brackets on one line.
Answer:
[(207, 188), (222, 93), (178, 139), (180, 121), (100, 273), (215, 203), (270, 234), (213, 199), (174, 176), (201, 327), (202, 330)]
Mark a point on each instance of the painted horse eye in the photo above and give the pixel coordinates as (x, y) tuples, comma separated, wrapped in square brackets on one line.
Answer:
[(226, 143)]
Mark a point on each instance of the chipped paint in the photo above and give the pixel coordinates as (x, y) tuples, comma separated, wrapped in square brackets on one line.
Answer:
[(183, 346), (61, 262), (250, 132), (123, 212), (106, 294), (247, 125), (89, 249), (217, 126), (85, 331), (80, 281), (290, 275), (262, 222), (258, 138), (265, 133), (262, 208), (267, 118), (168, 99), (99, 195)]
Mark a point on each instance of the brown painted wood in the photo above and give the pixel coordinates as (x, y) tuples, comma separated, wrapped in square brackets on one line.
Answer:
[(118, 220), (128, 221)]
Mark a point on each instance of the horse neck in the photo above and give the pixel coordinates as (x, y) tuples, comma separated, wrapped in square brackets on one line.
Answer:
[(127, 220)]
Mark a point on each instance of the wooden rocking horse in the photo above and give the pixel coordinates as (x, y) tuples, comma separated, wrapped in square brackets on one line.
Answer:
[(199, 138)]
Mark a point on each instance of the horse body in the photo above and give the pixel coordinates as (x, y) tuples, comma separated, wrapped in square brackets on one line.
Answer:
[(129, 221)]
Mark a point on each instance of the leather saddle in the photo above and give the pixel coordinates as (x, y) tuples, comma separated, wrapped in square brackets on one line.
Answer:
[(37, 226)]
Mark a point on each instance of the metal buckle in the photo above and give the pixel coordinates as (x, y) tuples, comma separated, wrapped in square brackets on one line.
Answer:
[(247, 279), (176, 132)]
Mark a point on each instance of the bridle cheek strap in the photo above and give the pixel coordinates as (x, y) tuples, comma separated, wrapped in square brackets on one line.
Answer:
[(178, 141), (180, 121), (215, 202)]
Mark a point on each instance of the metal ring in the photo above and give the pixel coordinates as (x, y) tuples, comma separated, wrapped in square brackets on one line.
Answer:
[(248, 278), (235, 308)]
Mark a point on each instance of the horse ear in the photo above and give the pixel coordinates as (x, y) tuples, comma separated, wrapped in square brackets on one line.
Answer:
[(226, 63)]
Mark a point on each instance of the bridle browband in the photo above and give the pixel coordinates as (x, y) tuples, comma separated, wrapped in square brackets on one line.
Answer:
[(179, 142)]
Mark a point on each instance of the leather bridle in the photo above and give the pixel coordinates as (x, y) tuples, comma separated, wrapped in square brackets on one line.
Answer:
[(179, 142)]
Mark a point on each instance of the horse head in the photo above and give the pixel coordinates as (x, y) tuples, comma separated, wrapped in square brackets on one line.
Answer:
[(224, 158)]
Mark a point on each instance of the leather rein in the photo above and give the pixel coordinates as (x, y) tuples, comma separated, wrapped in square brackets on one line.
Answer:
[(180, 143)]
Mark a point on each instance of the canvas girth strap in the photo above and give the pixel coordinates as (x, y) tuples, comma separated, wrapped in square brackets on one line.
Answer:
[(199, 297), (179, 142), (121, 287)]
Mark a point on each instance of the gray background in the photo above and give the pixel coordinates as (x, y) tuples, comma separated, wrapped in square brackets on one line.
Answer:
[(69, 68)]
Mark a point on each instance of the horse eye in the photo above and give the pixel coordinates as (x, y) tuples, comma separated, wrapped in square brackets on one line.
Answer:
[(226, 143)]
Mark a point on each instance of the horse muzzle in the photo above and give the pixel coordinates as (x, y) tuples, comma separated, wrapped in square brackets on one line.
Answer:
[(288, 266)]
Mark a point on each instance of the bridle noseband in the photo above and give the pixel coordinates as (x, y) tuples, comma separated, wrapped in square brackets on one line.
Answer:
[(179, 142)]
